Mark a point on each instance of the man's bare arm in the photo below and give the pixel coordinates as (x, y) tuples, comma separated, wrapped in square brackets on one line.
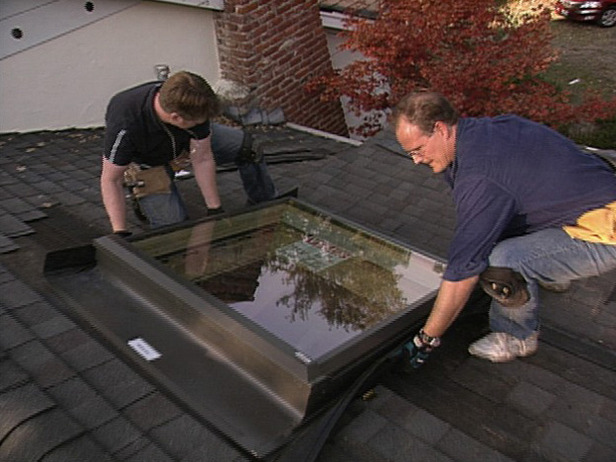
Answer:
[(112, 190), (451, 298), (204, 167)]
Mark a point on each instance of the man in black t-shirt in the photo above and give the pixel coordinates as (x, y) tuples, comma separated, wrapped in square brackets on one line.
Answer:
[(152, 125)]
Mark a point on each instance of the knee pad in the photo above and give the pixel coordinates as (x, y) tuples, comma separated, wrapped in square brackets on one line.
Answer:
[(506, 286), (247, 154)]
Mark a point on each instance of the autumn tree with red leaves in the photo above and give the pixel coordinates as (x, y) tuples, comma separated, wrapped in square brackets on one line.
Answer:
[(472, 51)]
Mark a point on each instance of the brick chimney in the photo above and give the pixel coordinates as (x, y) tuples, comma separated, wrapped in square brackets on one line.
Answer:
[(274, 47)]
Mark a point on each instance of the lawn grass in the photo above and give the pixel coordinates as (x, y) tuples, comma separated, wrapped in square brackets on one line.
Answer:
[(586, 61), (585, 55)]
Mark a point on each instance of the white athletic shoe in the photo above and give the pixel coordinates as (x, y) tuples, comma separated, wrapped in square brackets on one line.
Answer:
[(500, 347), (181, 174)]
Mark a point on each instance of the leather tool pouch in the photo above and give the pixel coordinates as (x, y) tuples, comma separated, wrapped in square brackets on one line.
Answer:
[(180, 162), (506, 286), (154, 180)]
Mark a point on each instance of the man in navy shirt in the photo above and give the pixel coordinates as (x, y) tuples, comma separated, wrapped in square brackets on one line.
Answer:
[(531, 209)]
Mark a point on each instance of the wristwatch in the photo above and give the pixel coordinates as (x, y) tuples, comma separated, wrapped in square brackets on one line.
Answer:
[(215, 211), (426, 340)]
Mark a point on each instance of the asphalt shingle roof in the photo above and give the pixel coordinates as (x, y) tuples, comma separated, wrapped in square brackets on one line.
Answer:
[(64, 394)]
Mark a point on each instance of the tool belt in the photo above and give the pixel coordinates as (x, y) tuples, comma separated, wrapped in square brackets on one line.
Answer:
[(143, 182), (153, 180)]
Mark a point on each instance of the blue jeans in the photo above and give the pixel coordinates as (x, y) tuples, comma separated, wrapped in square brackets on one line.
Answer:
[(549, 256), (167, 209), (164, 209), (226, 145)]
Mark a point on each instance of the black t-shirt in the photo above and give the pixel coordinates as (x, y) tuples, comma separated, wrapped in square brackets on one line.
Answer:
[(134, 133)]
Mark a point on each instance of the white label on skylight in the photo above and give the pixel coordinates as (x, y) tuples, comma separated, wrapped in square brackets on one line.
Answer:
[(144, 349)]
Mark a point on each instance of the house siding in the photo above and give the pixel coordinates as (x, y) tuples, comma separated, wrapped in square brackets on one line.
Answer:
[(65, 81)]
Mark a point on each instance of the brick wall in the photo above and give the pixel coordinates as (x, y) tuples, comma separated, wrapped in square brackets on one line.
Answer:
[(274, 47)]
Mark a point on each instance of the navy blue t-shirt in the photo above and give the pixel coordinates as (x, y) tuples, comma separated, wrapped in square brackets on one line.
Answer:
[(134, 133), (512, 176)]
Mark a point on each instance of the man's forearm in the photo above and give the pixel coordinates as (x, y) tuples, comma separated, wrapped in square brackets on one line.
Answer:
[(113, 200), (205, 174), (204, 167), (451, 298)]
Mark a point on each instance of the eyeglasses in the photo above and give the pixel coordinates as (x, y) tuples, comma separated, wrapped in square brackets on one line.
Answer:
[(417, 153)]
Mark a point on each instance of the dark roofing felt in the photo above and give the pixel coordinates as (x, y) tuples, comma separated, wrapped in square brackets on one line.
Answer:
[(64, 396)]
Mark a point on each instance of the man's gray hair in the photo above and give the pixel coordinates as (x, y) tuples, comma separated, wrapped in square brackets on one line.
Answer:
[(424, 109)]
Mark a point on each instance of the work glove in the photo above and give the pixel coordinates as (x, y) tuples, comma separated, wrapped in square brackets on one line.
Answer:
[(215, 211), (416, 352), (123, 233)]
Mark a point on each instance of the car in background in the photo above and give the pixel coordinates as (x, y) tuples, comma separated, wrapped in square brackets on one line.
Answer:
[(602, 12)]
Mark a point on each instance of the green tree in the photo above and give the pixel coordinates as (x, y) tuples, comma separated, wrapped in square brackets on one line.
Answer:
[(473, 51)]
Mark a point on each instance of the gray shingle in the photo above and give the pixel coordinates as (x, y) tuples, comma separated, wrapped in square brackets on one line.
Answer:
[(45, 368), (364, 427), (134, 447), (180, 437), (20, 404), (117, 382), (22, 189), (12, 225), (14, 293), (86, 355), (68, 198), (11, 375), (12, 333), (15, 205), (116, 434), (463, 448), (530, 399), (599, 453), (564, 443), (602, 430), (83, 403), (152, 411), (150, 453), (81, 449), (49, 430), (7, 245), (399, 446)]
